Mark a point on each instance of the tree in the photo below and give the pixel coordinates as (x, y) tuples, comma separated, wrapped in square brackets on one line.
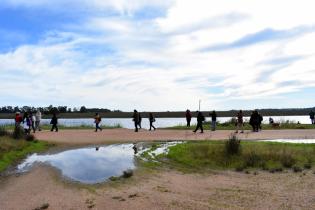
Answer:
[(83, 109)]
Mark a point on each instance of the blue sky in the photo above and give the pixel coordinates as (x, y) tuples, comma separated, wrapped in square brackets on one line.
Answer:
[(158, 55)]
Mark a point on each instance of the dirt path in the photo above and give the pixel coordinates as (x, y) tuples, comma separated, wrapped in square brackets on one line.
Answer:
[(163, 190), (125, 135)]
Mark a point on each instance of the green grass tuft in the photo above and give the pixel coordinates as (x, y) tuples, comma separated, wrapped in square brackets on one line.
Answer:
[(12, 150), (273, 157)]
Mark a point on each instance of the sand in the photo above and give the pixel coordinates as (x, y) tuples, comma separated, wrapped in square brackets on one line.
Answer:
[(164, 188)]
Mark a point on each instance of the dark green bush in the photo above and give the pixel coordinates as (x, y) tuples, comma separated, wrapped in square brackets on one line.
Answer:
[(30, 137), (252, 159), (287, 160), (233, 145)]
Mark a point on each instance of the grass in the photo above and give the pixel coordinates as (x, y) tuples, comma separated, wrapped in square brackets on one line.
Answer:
[(14, 149), (231, 126), (252, 155)]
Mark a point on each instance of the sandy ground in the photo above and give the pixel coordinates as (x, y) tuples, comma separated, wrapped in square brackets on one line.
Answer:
[(163, 189), (126, 135)]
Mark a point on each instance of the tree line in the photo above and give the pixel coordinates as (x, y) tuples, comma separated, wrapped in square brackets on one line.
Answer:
[(53, 109)]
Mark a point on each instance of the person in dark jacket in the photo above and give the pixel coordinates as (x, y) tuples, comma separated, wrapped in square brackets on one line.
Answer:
[(200, 119), (188, 117), (54, 123), (135, 119), (213, 116), (152, 120), (254, 121), (312, 117)]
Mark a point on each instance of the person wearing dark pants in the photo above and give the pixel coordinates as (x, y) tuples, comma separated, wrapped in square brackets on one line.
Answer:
[(97, 120), (135, 119), (188, 117), (213, 116), (200, 119), (54, 123), (151, 119)]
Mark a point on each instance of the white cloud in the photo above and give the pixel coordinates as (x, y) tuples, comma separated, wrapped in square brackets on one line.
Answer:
[(159, 64)]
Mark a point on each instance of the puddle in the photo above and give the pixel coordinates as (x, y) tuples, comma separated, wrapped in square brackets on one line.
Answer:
[(87, 165), (295, 141)]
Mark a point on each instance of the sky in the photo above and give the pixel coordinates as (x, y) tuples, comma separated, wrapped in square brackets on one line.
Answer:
[(154, 55)]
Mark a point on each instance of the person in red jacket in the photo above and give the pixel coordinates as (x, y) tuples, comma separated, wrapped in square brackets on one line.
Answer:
[(18, 119), (188, 117)]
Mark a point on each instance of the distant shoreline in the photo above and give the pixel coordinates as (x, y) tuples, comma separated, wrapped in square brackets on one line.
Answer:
[(232, 113)]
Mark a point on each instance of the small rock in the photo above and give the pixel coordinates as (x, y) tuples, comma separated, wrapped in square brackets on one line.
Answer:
[(133, 195), (117, 197), (128, 174), (42, 207)]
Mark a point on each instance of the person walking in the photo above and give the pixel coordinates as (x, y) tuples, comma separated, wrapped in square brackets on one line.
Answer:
[(54, 123), (33, 119), (213, 116), (18, 119), (135, 119), (97, 121), (254, 121), (152, 120), (200, 119), (188, 117), (38, 118), (26, 123), (312, 117), (240, 122)]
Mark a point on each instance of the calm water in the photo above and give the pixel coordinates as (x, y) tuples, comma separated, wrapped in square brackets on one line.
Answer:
[(160, 122), (87, 165), (295, 141)]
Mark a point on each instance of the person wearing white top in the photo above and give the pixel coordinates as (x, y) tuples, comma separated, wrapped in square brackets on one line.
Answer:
[(38, 118)]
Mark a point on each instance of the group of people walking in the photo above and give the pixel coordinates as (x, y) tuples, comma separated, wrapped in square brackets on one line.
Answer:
[(137, 119), (29, 121), (255, 121)]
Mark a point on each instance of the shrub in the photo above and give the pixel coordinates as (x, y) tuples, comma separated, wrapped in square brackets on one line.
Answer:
[(233, 145), (18, 133), (30, 137), (3, 131), (252, 159), (287, 160)]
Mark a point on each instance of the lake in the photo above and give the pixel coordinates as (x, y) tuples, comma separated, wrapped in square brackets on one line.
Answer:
[(160, 122)]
